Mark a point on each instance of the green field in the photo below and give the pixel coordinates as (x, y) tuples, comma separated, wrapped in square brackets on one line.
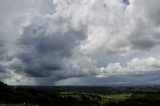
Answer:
[(79, 96), (114, 97), (97, 97)]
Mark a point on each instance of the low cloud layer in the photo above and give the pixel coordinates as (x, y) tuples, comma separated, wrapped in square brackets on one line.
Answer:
[(67, 42)]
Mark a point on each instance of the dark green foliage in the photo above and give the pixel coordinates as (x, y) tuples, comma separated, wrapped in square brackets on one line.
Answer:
[(131, 96), (20, 95), (3, 87)]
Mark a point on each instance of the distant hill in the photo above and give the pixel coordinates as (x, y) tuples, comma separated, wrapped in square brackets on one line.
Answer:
[(3, 86)]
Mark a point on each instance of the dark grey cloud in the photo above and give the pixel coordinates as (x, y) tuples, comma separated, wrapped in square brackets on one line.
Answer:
[(144, 30), (121, 80), (3, 59), (107, 41), (2, 49), (42, 53)]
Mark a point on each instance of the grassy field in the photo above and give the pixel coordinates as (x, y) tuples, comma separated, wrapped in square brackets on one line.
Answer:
[(103, 99), (99, 97), (114, 97), (79, 96)]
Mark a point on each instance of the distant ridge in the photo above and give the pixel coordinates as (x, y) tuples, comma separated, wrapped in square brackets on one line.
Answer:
[(3, 86)]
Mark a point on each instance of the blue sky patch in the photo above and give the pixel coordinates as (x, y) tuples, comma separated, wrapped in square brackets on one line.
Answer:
[(126, 2)]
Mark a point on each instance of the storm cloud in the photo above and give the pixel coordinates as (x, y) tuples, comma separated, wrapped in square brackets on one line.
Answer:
[(67, 42), (43, 50)]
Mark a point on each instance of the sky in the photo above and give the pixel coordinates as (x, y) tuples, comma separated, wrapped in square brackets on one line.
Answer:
[(80, 42)]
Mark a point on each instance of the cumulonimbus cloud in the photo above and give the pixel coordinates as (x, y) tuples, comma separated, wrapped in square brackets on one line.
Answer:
[(75, 38)]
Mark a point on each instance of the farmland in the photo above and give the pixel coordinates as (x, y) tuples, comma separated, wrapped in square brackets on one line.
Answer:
[(79, 96)]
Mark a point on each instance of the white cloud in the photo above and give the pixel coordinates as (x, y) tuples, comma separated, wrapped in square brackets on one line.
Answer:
[(59, 39), (135, 66)]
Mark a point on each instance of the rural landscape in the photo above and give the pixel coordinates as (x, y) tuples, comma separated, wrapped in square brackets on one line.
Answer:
[(79, 52), (79, 96)]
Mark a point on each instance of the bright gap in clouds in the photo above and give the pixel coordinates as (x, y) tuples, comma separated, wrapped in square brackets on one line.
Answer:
[(80, 42)]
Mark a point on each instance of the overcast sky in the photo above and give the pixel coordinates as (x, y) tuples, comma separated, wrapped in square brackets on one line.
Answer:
[(80, 42)]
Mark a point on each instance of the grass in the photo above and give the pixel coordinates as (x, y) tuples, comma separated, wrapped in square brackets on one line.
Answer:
[(118, 97), (114, 97), (104, 98)]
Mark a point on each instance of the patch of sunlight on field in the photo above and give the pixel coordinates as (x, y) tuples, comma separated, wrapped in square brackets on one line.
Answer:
[(114, 97), (104, 98)]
